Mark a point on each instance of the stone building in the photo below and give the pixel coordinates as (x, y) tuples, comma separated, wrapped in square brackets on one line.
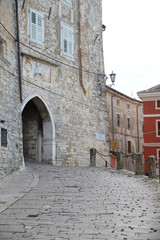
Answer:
[(125, 125), (52, 95)]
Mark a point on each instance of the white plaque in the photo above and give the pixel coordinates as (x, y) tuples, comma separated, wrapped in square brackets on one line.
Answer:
[(100, 137)]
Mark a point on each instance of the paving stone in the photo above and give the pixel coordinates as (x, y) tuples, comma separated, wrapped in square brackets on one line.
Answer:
[(84, 203)]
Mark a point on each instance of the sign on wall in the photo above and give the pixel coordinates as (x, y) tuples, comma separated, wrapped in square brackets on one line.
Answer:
[(100, 137)]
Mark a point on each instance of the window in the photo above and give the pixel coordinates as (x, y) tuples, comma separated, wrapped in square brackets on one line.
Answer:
[(118, 102), (68, 1), (142, 122), (158, 157), (3, 137), (36, 27), (129, 146), (67, 40), (158, 104), (118, 120), (128, 123), (158, 128), (128, 106)]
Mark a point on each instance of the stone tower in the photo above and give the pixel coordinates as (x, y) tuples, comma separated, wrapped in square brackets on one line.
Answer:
[(63, 113)]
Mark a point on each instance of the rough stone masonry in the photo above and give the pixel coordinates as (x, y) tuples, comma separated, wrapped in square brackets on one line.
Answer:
[(63, 111)]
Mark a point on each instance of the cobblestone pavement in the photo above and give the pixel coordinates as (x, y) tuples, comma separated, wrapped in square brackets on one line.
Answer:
[(77, 203)]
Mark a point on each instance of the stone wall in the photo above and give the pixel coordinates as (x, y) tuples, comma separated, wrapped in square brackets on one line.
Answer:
[(11, 156), (68, 93)]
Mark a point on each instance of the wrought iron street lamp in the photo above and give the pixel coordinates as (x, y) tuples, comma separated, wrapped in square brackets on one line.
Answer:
[(112, 77)]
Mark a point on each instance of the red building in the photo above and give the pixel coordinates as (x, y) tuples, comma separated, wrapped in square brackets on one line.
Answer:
[(151, 127)]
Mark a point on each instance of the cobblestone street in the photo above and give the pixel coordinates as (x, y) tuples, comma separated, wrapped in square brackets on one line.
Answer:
[(71, 203)]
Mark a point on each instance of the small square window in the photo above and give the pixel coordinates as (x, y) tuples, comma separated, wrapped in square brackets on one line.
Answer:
[(118, 102), (128, 106)]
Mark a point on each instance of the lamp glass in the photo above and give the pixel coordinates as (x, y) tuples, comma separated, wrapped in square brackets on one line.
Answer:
[(112, 77)]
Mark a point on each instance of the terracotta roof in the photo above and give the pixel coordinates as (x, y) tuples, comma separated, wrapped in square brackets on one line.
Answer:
[(153, 89), (122, 94)]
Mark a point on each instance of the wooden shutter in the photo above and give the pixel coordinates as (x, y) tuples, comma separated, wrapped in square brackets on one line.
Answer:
[(36, 27), (70, 42), (67, 40), (33, 22), (40, 28)]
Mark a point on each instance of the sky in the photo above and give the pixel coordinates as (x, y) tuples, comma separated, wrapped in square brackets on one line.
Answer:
[(132, 44)]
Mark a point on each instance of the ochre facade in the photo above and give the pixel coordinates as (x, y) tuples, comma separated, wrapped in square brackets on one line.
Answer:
[(125, 126)]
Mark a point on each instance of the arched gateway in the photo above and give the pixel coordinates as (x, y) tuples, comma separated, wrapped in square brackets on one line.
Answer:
[(38, 130)]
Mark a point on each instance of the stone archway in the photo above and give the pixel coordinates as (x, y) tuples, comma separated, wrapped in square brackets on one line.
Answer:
[(38, 131)]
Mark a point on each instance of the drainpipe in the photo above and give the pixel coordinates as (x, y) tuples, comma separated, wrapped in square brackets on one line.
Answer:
[(138, 148), (112, 116), (19, 57)]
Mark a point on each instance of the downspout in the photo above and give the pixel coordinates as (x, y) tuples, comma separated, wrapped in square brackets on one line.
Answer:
[(19, 57), (138, 147), (112, 116), (80, 50)]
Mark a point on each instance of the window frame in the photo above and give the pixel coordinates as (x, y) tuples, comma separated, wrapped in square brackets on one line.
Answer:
[(128, 123), (39, 31), (158, 156), (68, 28), (142, 125), (129, 147), (3, 127), (157, 130), (128, 106), (118, 121), (117, 101), (156, 103)]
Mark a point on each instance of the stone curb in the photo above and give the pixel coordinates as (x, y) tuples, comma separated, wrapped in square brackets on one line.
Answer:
[(8, 198)]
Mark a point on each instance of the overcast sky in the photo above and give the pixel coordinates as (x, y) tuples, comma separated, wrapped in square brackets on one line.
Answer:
[(132, 43)]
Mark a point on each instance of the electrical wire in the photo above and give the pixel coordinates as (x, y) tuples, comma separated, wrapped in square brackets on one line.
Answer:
[(83, 70), (59, 95), (51, 58)]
